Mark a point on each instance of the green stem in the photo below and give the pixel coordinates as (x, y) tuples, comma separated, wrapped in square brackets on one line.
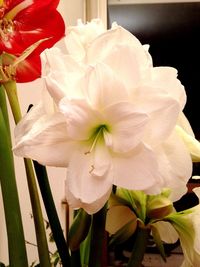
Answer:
[(4, 109), (15, 234), (53, 218), (139, 247), (11, 91), (97, 245)]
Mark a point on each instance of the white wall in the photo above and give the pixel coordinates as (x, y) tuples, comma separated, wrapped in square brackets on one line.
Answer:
[(71, 10)]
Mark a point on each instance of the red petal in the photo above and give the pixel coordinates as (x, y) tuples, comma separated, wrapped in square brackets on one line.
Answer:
[(10, 4), (29, 69), (31, 25)]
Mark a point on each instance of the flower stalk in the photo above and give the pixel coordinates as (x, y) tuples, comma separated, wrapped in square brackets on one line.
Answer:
[(16, 240), (52, 215), (140, 244), (97, 244), (11, 91)]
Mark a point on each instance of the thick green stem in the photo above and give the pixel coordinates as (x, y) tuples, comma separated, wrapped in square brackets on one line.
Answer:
[(11, 91), (15, 234), (98, 253), (52, 214), (4, 109), (139, 247)]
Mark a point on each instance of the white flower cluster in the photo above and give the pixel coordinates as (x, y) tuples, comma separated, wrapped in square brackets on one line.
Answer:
[(110, 117)]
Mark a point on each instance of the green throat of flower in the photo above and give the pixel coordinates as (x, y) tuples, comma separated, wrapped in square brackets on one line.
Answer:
[(97, 136)]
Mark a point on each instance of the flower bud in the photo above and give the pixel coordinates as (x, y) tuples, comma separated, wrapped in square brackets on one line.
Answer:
[(159, 207)]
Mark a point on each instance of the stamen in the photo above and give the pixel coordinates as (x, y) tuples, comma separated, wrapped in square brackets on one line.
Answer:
[(13, 12), (92, 169)]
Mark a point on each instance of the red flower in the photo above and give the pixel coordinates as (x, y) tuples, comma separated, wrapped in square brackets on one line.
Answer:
[(23, 23)]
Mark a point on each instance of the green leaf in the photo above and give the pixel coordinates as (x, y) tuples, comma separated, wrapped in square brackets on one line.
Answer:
[(79, 229), (11, 90), (158, 242), (137, 200), (139, 247), (15, 234), (116, 200), (85, 249), (124, 233)]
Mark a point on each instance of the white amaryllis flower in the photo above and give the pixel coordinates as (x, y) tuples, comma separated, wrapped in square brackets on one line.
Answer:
[(111, 120)]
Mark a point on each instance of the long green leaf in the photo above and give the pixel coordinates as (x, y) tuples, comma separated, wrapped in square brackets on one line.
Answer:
[(79, 229), (43, 250), (124, 233), (52, 215), (139, 247), (15, 234)]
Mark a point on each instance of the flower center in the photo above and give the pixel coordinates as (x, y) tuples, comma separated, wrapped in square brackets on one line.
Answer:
[(97, 135), (6, 28)]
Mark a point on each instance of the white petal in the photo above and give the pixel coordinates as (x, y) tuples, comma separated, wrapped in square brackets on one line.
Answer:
[(37, 139), (167, 232), (127, 125), (103, 87), (74, 46), (137, 171), (192, 144), (52, 58), (65, 83), (162, 110), (89, 184), (129, 63), (123, 52), (175, 165), (166, 78), (80, 117), (80, 36), (196, 190)]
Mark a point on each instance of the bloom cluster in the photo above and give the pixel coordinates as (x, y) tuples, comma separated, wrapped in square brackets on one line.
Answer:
[(110, 117)]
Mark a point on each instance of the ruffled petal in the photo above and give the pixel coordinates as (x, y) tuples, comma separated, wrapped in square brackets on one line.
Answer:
[(166, 78), (123, 52), (127, 126), (175, 166), (103, 87), (36, 138), (137, 170), (160, 108), (79, 37)]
